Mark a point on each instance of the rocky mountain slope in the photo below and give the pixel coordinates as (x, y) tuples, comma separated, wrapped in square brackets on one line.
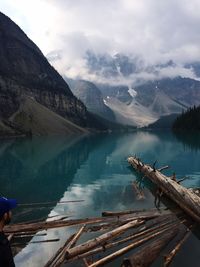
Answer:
[(132, 107), (184, 91), (34, 98), (92, 97)]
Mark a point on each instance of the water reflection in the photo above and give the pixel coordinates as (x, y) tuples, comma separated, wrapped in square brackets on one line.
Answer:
[(92, 168), (189, 140)]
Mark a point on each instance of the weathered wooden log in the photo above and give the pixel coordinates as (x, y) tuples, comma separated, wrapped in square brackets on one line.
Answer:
[(29, 235), (144, 231), (53, 259), (90, 244), (165, 215), (137, 213), (148, 254), (44, 241), (34, 227), (36, 242), (48, 203), (185, 198), (126, 249), (61, 256), (168, 259)]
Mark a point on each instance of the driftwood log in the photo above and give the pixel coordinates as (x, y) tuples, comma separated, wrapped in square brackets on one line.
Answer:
[(124, 250), (137, 213), (148, 254), (157, 225), (90, 244), (60, 257), (55, 257), (31, 228), (186, 199)]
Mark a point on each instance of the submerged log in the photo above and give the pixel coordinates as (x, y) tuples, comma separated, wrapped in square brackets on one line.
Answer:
[(185, 198), (168, 259), (148, 254), (90, 244)]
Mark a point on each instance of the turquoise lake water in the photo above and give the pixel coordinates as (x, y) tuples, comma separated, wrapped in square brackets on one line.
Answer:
[(93, 169)]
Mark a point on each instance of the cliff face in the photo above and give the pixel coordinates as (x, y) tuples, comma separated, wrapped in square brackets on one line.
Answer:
[(25, 72), (92, 97)]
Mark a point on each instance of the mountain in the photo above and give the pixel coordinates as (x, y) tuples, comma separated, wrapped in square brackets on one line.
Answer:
[(92, 97), (121, 92), (119, 65), (132, 106), (184, 91), (138, 92), (34, 98), (195, 66), (164, 122)]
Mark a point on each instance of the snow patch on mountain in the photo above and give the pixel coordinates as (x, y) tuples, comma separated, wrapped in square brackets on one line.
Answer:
[(132, 92)]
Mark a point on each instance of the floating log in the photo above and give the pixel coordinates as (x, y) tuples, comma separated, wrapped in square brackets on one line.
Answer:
[(48, 203), (90, 244), (125, 216), (29, 235), (137, 213), (185, 198), (146, 230), (34, 227), (148, 254), (53, 259), (179, 243), (126, 249), (45, 241), (61, 256), (36, 242)]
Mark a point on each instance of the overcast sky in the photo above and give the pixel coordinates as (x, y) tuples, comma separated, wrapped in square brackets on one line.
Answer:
[(158, 30)]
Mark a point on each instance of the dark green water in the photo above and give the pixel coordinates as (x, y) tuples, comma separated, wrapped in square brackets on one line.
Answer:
[(93, 169)]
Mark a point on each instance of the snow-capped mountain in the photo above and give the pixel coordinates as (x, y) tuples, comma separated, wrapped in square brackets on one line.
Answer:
[(137, 92)]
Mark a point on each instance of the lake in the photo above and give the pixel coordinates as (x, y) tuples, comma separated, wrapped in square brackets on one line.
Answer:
[(93, 169)]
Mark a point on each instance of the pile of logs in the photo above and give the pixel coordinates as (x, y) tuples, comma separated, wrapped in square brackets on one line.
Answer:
[(116, 234), (142, 233)]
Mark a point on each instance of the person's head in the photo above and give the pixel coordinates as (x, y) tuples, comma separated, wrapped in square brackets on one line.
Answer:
[(6, 205)]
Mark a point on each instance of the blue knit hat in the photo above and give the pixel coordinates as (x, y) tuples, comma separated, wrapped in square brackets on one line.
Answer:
[(6, 205)]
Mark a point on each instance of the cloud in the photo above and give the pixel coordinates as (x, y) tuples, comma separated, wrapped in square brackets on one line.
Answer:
[(157, 31)]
